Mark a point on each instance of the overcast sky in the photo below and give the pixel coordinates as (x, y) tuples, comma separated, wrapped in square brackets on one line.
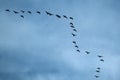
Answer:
[(39, 47)]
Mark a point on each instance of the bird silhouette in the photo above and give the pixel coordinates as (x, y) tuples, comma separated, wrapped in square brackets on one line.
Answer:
[(73, 34), (15, 12), (100, 56), (71, 23), (65, 16), (72, 26), (75, 30), (48, 13), (71, 18), (87, 52), (97, 71), (29, 12), (78, 50), (76, 46), (22, 16), (98, 68), (38, 12), (7, 10), (58, 16), (74, 42), (22, 11), (97, 76), (102, 60)]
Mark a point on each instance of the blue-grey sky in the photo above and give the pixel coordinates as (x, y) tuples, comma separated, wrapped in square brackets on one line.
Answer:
[(40, 47)]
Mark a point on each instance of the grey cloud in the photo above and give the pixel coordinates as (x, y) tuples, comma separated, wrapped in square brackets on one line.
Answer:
[(39, 47)]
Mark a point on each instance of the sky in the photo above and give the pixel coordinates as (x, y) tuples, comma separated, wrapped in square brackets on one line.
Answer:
[(39, 47)]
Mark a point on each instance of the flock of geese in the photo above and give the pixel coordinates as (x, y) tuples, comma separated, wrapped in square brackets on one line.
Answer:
[(74, 33), (38, 12), (98, 69)]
